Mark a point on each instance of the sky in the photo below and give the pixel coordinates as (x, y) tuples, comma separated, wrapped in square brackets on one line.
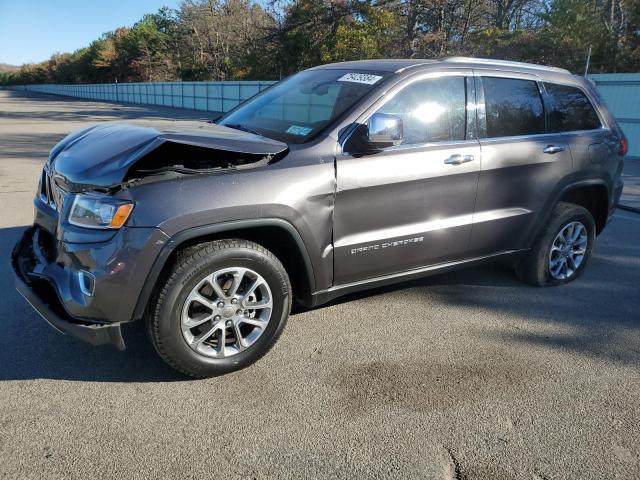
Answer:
[(32, 30)]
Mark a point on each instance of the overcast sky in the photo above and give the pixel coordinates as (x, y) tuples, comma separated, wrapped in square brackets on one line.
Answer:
[(32, 30)]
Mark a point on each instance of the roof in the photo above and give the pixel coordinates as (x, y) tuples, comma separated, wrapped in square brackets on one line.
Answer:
[(381, 65), (503, 63), (399, 64)]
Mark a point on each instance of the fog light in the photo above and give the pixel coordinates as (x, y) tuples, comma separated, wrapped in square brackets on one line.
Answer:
[(86, 281)]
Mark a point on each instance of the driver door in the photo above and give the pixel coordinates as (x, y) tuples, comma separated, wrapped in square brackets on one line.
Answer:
[(410, 205)]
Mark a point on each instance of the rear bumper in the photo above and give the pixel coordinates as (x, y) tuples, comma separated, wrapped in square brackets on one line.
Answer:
[(617, 193)]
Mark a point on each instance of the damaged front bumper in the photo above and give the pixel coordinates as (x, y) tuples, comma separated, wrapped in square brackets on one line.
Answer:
[(84, 283), (28, 255)]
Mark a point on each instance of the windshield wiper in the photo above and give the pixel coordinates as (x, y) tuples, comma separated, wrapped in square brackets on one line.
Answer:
[(244, 128)]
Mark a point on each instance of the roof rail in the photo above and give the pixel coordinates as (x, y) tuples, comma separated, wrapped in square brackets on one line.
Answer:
[(505, 63)]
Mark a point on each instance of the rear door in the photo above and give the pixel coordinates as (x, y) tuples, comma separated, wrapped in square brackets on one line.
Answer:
[(521, 162), (410, 205), (571, 112)]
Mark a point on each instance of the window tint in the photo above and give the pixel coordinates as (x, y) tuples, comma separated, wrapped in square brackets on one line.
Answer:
[(513, 107), (432, 110), (569, 109)]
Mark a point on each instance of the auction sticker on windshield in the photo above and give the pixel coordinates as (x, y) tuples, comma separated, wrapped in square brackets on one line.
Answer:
[(366, 78), (298, 130)]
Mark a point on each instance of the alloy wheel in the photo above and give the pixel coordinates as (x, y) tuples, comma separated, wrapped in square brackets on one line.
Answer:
[(568, 250), (226, 312)]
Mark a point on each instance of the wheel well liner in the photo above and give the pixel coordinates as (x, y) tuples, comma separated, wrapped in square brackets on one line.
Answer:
[(594, 198), (277, 235)]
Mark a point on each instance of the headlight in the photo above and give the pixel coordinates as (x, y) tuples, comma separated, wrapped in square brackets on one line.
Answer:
[(99, 212)]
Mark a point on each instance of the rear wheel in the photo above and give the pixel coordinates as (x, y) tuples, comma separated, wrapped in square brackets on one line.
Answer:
[(223, 306), (563, 249)]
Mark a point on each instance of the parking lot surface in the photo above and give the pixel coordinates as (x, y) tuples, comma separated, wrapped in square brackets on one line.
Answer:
[(465, 375)]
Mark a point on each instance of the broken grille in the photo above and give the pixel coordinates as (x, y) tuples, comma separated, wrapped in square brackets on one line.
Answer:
[(50, 193)]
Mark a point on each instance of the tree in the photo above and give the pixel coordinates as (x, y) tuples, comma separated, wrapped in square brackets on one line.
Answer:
[(153, 46), (242, 39), (216, 36)]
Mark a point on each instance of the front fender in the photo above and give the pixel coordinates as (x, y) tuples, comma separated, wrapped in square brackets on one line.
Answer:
[(204, 231)]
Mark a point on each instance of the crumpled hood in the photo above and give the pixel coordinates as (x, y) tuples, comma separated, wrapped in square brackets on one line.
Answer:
[(101, 155)]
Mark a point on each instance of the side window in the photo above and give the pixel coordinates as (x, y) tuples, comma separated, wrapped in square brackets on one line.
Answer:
[(569, 109), (513, 107), (432, 110)]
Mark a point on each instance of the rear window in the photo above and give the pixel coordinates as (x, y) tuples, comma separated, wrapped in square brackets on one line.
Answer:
[(569, 109), (513, 107)]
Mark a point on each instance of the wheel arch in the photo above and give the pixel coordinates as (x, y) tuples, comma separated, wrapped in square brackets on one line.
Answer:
[(277, 235), (572, 192), (594, 196)]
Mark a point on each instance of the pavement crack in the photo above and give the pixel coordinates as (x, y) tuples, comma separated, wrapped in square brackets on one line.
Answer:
[(538, 476), (457, 469)]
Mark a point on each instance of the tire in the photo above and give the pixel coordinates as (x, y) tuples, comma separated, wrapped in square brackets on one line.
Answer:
[(177, 305), (535, 268)]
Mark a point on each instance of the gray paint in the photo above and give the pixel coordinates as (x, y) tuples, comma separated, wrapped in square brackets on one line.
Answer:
[(430, 215), (101, 156)]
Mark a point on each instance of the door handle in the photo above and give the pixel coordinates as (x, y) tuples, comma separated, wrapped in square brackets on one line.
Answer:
[(551, 149), (457, 159)]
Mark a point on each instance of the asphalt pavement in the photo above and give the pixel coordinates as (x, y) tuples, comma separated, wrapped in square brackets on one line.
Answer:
[(468, 375)]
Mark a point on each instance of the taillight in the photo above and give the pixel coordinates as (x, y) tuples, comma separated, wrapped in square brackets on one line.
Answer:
[(624, 146)]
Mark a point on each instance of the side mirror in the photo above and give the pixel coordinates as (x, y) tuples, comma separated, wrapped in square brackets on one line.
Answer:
[(384, 130)]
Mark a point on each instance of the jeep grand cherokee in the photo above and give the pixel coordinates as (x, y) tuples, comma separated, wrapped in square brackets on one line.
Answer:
[(339, 178)]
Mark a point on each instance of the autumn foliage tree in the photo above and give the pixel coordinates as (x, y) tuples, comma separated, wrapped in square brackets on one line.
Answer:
[(243, 39)]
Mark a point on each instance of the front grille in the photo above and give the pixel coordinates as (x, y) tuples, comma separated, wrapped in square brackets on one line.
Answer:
[(44, 187), (50, 193), (58, 196)]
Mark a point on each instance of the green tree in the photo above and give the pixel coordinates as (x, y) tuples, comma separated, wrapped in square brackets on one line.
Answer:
[(151, 44), (243, 39), (366, 33)]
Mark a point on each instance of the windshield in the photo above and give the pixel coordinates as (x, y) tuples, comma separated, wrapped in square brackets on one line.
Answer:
[(296, 109)]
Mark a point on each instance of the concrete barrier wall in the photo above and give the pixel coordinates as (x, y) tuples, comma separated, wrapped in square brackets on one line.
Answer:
[(620, 91), (206, 96)]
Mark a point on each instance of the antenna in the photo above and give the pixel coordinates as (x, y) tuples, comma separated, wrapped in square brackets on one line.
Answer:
[(586, 67)]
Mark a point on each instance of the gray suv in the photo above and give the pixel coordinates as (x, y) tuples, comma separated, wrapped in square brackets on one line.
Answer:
[(340, 178)]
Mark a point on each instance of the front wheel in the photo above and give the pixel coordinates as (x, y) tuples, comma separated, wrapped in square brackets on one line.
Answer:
[(223, 306), (563, 249)]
